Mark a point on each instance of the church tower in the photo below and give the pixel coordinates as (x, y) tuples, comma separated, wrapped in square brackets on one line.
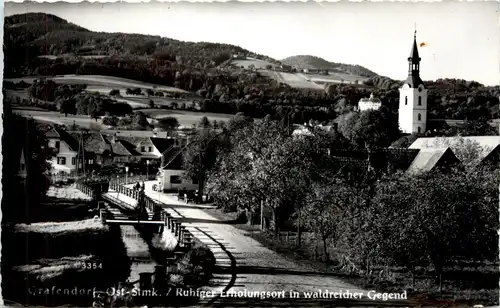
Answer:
[(413, 97)]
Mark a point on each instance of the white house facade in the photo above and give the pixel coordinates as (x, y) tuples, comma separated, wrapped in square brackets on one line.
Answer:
[(371, 103), (65, 155)]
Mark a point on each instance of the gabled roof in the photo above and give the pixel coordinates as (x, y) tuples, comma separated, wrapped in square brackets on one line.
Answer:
[(131, 148), (117, 147), (63, 136), (486, 143), (96, 143), (428, 158), (162, 144), (172, 158)]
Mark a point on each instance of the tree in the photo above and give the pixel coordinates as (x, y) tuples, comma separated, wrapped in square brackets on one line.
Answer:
[(151, 104), (477, 127), (115, 92), (67, 106), (168, 123), (140, 121), (200, 155), (204, 123), (265, 165), (370, 128), (454, 217), (324, 205), (110, 120)]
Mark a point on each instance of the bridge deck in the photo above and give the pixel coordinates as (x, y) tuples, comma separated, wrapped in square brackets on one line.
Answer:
[(121, 200), (134, 222)]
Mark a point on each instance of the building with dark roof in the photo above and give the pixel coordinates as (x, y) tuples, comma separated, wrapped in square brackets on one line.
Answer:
[(65, 148)]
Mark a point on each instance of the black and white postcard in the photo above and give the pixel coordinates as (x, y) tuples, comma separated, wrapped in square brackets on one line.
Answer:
[(250, 154)]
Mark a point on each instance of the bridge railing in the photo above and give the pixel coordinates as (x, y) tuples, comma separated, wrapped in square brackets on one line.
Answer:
[(85, 189), (184, 237)]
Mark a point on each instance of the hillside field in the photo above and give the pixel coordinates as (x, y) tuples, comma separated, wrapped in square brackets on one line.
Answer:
[(103, 82), (186, 118), (259, 64)]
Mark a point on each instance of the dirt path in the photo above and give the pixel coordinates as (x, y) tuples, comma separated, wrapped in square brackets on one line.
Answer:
[(244, 264)]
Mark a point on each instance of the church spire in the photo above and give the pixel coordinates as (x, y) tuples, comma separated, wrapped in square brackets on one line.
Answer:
[(414, 64), (414, 57)]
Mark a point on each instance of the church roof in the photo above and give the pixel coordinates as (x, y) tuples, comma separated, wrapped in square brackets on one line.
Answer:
[(414, 50), (414, 81)]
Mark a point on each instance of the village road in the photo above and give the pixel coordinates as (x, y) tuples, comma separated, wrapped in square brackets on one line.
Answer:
[(246, 265)]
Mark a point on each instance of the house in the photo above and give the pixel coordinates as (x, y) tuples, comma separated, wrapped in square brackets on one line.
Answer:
[(145, 148), (286, 68), (171, 173), (66, 150), (488, 146), (372, 103), (109, 149)]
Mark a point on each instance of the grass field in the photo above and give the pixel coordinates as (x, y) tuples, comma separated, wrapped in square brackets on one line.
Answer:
[(58, 118), (336, 78), (185, 118), (259, 64), (104, 82), (311, 81)]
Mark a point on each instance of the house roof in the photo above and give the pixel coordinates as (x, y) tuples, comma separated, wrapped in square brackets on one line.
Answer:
[(486, 143), (117, 146), (162, 144), (172, 158), (428, 158), (63, 136), (96, 143)]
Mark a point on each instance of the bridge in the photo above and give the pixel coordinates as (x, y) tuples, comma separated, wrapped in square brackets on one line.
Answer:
[(126, 202)]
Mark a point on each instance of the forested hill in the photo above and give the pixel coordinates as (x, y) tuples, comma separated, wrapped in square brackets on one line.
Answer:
[(313, 62), (46, 34)]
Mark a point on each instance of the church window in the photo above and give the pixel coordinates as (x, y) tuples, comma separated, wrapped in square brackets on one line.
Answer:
[(406, 100), (419, 117), (419, 129), (420, 100)]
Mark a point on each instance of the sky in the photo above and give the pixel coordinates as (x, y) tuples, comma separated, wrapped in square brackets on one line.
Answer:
[(463, 38)]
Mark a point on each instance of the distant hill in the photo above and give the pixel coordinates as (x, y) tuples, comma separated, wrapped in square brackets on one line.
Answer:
[(313, 62), (30, 35)]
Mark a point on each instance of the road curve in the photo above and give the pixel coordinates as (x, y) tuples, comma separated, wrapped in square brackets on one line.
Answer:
[(243, 264)]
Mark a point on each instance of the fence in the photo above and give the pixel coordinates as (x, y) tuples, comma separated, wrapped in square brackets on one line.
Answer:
[(132, 193), (85, 189), (307, 238), (120, 179)]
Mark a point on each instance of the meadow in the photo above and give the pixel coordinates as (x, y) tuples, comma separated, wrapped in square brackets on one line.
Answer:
[(103, 82), (185, 118), (259, 64)]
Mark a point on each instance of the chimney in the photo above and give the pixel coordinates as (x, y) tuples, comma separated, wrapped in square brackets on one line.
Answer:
[(113, 138)]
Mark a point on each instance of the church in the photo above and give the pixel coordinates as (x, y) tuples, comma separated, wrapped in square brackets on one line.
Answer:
[(412, 116)]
